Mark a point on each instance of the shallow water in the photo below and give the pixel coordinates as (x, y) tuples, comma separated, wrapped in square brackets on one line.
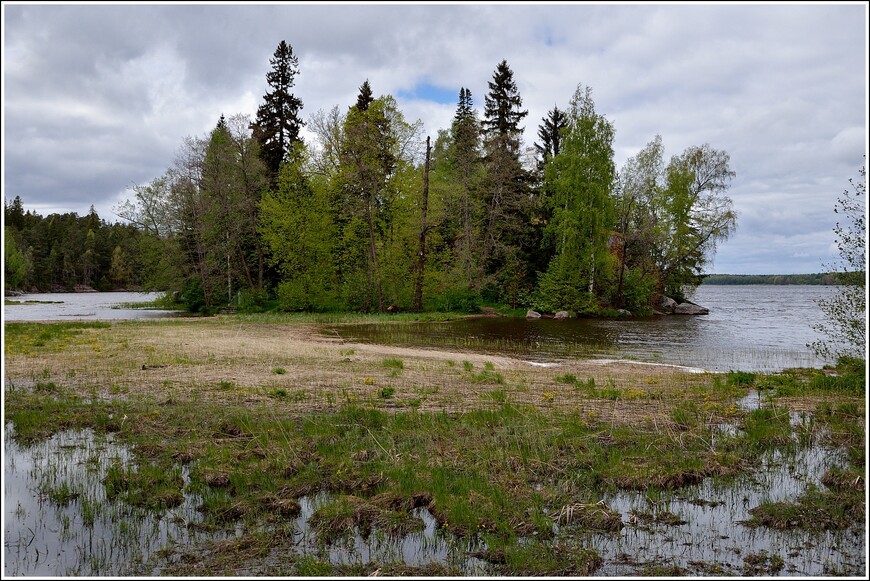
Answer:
[(80, 306), (88, 535), (749, 328), (91, 536)]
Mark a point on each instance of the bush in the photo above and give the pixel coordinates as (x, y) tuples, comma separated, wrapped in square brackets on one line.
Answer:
[(637, 291), (463, 300), (192, 296)]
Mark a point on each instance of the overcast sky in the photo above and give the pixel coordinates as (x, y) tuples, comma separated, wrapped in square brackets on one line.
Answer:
[(98, 97)]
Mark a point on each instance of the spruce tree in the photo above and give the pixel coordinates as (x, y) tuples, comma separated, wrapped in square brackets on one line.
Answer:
[(364, 99), (505, 193), (277, 126), (503, 108), (549, 134)]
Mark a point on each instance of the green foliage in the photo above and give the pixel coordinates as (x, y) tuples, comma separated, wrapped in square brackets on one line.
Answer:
[(15, 263), (462, 300), (278, 123), (578, 184), (558, 290), (192, 296), (846, 328)]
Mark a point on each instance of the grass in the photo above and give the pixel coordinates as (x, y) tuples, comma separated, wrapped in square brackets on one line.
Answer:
[(475, 444)]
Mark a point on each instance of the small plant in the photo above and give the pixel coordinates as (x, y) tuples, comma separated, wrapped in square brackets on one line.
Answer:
[(387, 392), (47, 386), (347, 352), (489, 366), (278, 393), (225, 385), (568, 378), (685, 415), (279, 371), (488, 376), (393, 363), (467, 365), (740, 378)]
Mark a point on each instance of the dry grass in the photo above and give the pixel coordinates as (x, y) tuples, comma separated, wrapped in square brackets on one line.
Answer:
[(221, 359)]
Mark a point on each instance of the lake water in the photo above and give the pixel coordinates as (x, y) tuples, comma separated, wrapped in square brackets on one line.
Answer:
[(80, 306), (749, 328)]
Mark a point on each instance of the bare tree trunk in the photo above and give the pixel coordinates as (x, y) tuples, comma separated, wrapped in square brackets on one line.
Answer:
[(374, 270), (421, 256)]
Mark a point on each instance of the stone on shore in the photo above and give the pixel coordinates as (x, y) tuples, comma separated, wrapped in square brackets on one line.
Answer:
[(561, 315), (690, 309), (533, 315)]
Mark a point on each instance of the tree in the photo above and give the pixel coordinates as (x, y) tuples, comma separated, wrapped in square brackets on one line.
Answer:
[(639, 192), (549, 131), (365, 98), (846, 327), (277, 126), (697, 215), (464, 157), (580, 181), (15, 263), (505, 192), (299, 232)]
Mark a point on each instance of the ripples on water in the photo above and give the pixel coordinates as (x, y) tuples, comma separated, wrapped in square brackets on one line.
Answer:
[(749, 328)]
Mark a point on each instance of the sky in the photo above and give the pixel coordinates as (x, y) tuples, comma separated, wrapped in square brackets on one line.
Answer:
[(98, 98)]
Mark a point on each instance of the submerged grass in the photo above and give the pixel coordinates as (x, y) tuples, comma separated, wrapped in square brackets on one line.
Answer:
[(262, 415)]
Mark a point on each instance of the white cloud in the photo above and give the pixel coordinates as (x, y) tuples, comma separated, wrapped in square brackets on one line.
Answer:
[(97, 97)]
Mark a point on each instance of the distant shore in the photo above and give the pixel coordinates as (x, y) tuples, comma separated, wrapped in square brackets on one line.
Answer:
[(771, 279)]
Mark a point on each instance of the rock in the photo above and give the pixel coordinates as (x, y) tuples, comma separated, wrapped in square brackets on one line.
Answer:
[(533, 315), (691, 309), (561, 315), (625, 313), (665, 304)]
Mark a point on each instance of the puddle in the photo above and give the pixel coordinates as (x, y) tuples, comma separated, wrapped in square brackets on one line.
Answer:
[(428, 546), (58, 521), (87, 535), (712, 533)]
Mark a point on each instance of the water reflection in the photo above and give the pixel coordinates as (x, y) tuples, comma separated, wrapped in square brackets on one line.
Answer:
[(763, 329), (59, 522), (80, 306)]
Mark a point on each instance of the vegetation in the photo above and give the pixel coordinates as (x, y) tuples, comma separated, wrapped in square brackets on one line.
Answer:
[(366, 218), (505, 457), (846, 327)]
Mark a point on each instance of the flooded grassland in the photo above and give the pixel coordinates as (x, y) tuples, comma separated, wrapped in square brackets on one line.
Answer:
[(260, 446)]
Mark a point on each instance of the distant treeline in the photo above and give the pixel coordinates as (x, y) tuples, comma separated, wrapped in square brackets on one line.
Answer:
[(819, 278)]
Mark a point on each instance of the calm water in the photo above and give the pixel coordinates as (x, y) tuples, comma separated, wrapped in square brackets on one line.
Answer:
[(80, 306), (749, 328)]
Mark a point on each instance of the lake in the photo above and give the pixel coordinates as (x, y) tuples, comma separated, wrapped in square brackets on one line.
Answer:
[(80, 306), (749, 328)]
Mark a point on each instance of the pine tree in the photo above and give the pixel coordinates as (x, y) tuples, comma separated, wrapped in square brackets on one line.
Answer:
[(277, 125)]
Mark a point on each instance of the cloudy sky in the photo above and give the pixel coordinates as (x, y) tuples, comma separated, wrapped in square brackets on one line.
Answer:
[(97, 98)]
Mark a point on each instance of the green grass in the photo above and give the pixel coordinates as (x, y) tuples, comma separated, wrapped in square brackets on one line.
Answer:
[(28, 338)]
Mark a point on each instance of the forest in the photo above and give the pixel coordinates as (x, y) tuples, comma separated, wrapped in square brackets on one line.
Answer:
[(371, 215)]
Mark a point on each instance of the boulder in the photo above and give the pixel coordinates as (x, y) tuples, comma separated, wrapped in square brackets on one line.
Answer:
[(691, 309), (533, 315), (665, 304), (625, 313), (561, 315)]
